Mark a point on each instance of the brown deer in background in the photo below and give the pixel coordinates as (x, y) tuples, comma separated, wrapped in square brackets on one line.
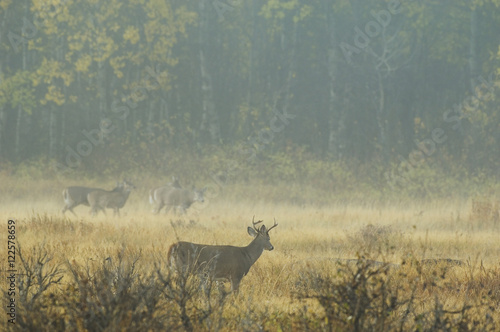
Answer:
[(100, 199), (76, 195)]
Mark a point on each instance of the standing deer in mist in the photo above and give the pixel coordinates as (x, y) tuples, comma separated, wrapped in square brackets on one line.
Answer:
[(76, 195), (100, 199), (178, 198), (156, 193), (226, 263)]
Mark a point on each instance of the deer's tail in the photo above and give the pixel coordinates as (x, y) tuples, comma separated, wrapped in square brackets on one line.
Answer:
[(152, 196), (65, 195), (171, 254)]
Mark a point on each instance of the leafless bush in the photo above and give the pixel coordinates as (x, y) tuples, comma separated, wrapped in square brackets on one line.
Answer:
[(485, 210), (111, 295), (374, 237), (374, 297), (193, 301), (356, 298), (36, 280), (114, 294)]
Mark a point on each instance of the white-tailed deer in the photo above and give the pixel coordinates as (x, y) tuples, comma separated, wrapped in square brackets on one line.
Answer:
[(227, 263), (100, 199), (156, 193), (74, 196), (178, 198)]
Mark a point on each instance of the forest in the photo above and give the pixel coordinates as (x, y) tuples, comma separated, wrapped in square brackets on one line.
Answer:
[(390, 92), (369, 131)]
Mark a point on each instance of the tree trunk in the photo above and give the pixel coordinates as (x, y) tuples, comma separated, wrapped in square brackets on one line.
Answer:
[(3, 115), (291, 70), (52, 132), (2, 125), (17, 141), (101, 83), (336, 119), (380, 114), (473, 61), (210, 120)]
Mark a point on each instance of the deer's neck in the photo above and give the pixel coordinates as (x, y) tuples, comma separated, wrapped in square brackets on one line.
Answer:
[(254, 250), (124, 196)]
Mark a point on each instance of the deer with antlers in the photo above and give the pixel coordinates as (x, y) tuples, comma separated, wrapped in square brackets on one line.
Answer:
[(227, 263)]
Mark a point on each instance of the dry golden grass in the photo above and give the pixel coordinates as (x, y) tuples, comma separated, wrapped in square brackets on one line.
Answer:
[(308, 238)]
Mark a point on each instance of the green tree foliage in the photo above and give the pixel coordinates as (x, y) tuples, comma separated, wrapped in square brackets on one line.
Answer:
[(357, 81)]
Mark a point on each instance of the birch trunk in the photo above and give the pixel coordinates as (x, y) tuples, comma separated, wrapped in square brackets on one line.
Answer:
[(473, 61), (210, 120), (336, 119), (52, 132)]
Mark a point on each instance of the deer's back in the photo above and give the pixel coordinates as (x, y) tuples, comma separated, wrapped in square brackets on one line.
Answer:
[(219, 261), (108, 198), (176, 196), (79, 194)]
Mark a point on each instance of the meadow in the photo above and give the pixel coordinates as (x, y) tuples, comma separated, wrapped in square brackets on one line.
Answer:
[(344, 266)]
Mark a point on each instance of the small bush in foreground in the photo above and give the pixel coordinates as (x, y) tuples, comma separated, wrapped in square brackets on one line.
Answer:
[(369, 296)]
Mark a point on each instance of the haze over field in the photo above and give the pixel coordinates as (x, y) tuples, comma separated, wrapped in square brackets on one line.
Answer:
[(370, 131)]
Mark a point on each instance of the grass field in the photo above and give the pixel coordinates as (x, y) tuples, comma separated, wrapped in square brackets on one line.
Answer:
[(323, 274)]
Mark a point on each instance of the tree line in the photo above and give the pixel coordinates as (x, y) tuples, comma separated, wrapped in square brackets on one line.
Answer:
[(387, 81)]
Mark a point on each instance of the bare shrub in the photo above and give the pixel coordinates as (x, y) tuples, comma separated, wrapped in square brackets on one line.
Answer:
[(113, 295), (414, 297), (373, 237), (193, 303), (110, 295), (356, 298), (37, 279), (485, 210)]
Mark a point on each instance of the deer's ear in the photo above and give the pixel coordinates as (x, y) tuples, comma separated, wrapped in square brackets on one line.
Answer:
[(252, 232)]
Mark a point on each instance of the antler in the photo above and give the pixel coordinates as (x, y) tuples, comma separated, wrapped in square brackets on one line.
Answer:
[(275, 224), (255, 223)]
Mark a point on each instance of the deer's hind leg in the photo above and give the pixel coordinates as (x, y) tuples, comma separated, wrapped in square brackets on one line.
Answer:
[(158, 207), (235, 284)]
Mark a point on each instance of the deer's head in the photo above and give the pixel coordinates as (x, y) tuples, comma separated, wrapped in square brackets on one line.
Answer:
[(261, 234)]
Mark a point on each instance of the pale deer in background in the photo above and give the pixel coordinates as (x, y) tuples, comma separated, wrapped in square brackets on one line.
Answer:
[(156, 193), (100, 200), (227, 263), (178, 198)]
